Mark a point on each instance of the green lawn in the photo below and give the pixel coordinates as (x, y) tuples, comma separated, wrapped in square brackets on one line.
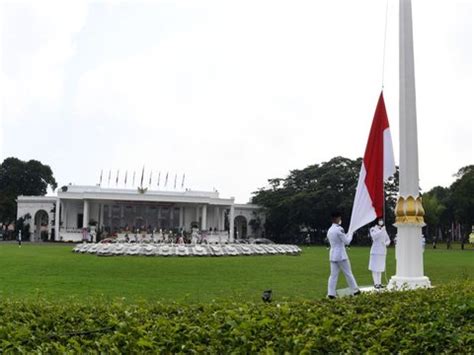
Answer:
[(52, 271)]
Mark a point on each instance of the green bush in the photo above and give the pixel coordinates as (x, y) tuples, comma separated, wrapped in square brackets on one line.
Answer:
[(424, 321)]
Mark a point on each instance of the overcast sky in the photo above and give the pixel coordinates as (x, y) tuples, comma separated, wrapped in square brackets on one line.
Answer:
[(231, 93)]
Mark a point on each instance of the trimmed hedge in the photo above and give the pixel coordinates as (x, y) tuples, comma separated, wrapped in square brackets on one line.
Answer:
[(423, 321)]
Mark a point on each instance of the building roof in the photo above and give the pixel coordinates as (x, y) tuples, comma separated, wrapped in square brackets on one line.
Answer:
[(80, 192), (115, 194), (22, 198)]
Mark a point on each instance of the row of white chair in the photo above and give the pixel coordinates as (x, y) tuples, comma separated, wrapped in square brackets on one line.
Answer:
[(109, 249)]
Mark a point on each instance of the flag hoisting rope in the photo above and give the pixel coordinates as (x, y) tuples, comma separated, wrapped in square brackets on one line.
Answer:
[(378, 163), (384, 44), (377, 166)]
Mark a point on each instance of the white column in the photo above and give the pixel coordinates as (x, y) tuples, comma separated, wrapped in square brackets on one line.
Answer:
[(204, 218), (231, 223), (85, 215), (61, 212), (56, 220), (181, 217), (101, 224), (222, 220), (64, 213), (409, 211), (216, 217)]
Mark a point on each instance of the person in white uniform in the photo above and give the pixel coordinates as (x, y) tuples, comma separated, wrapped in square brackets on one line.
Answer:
[(378, 252), (338, 258)]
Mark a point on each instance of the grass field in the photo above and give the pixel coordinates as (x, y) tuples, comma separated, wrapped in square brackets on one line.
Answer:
[(52, 271)]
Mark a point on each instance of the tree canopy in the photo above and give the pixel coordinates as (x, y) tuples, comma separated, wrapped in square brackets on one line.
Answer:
[(19, 177), (453, 205), (301, 203)]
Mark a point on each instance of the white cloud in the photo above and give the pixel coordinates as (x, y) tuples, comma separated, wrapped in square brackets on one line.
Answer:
[(234, 93), (37, 41)]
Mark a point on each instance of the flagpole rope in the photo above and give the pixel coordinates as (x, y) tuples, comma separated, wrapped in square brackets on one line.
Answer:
[(384, 44)]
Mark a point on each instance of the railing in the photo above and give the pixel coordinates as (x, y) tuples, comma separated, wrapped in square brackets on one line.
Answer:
[(70, 230)]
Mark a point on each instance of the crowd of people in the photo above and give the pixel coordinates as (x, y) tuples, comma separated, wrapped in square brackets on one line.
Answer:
[(165, 236), (339, 260)]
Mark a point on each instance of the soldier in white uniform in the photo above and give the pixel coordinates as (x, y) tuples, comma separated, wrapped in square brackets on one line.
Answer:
[(338, 257), (378, 252)]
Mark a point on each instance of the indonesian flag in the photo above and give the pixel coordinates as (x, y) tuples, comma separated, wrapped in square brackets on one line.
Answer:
[(377, 166)]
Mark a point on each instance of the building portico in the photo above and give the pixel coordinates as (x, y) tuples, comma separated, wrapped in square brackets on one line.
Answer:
[(129, 210)]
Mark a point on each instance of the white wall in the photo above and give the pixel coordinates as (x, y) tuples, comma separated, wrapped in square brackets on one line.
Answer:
[(32, 208)]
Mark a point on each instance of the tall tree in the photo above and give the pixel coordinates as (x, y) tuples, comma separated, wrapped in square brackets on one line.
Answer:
[(447, 206), (462, 196), (19, 177), (303, 201), (434, 210)]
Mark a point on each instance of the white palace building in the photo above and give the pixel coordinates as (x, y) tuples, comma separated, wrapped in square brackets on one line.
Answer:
[(117, 211)]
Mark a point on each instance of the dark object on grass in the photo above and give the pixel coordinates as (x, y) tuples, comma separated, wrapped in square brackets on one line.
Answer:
[(267, 296)]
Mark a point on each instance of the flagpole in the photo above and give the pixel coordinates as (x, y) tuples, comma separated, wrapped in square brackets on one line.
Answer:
[(383, 83), (409, 211), (384, 201)]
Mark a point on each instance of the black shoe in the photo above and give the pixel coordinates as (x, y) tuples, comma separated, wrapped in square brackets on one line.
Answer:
[(377, 287), (331, 297), (357, 293), (382, 286)]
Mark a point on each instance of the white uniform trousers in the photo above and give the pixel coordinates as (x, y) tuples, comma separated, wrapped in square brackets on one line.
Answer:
[(377, 276), (345, 266)]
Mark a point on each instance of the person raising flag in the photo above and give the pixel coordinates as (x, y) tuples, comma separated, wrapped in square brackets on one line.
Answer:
[(378, 252), (338, 258)]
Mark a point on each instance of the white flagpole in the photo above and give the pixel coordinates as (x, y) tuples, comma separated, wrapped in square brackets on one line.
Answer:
[(409, 211)]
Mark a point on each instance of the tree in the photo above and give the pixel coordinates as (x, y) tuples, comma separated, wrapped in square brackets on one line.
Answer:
[(462, 192), (304, 200), (462, 196), (19, 177), (447, 206), (434, 210)]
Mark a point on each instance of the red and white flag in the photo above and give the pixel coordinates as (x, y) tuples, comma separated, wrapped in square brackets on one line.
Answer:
[(377, 166)]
